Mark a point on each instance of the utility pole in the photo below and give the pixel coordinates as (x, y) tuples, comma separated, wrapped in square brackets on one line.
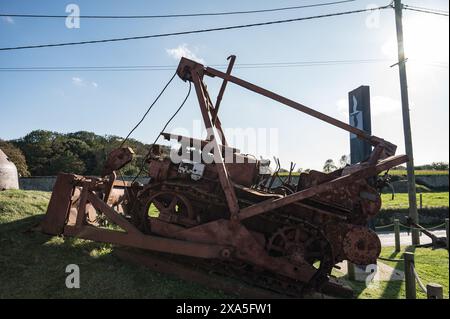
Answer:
[(413, 214)]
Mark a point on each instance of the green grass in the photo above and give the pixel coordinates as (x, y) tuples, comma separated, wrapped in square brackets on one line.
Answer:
[(419, 172), (432, 266), (428, 199), (33, 264), (398, 172)]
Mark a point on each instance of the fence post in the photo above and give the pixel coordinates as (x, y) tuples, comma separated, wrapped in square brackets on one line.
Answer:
[(410, 280), (434, 291), (397, 235), (350, 270), (446, 229), (420, 211), (420, 201)]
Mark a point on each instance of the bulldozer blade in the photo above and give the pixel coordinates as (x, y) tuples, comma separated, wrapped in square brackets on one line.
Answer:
[(58, 208)]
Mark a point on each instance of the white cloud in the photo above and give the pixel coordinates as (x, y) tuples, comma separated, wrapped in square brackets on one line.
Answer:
[(7, 19), (379, 105), (82, 82), (78, 81), (342, 105), (183, 51)]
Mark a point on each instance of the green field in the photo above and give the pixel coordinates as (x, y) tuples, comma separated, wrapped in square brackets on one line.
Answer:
[(418, 172), (428, 200), (398, 172), (33, 264)]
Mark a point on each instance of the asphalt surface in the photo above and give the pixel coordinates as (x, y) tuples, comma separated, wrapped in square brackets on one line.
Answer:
[(387, 238)]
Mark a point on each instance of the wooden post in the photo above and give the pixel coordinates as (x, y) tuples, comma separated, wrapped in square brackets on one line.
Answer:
[(420, 209), (350, 270), (420, 201), (410, 280), (397, 235), (446, 229), (434, 291)]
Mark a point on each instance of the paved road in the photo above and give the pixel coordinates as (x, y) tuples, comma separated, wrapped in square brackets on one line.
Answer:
[(387, 238)]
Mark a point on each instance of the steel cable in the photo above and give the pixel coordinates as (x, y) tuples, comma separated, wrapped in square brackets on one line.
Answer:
[(148, 110), (157, 137)]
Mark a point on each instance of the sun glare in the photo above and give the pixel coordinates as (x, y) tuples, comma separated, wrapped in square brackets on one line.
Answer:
[(426, 40)]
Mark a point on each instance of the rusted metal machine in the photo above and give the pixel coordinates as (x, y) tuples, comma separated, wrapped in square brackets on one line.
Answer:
[(212, 207)]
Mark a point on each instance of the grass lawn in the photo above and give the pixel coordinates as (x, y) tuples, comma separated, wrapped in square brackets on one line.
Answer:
[(428, 199), (418, 172), (432, 266), (33, 264)]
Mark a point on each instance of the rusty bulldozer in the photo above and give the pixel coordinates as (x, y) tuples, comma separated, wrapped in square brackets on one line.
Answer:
[(220, 214)]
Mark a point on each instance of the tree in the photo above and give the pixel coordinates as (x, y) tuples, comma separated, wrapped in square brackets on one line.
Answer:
[(441, 166), (66, 162), (16, 156), (344, 161), (37, 148), (329, 166), (81, 152)]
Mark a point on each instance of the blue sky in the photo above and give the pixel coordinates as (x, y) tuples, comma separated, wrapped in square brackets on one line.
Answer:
[(112, 102)]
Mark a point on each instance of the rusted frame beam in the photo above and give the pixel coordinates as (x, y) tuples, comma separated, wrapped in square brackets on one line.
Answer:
[(56, 223), (232, 58), (132, 236), (148, 242), (300, 107), (111, 214), (363, 173), (222, 171), (81, 212), (110, 185), (212, 112)]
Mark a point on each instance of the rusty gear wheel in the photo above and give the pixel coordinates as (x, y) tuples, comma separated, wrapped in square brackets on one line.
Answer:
[(304, 243), (170, 207), (361, 246)]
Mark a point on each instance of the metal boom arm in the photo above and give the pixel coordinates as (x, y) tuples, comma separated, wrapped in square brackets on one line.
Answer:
[(186, 65)]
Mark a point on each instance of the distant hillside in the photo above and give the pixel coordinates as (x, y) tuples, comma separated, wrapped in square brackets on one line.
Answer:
[(47, 153)]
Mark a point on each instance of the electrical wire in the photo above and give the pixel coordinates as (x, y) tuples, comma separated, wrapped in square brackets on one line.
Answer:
[(425, 10), (260, 65), (192, 31), (148, 110), (162, 130), (171, 67), (175, 15)]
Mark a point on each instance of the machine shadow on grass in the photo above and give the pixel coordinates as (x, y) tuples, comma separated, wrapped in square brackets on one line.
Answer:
[(394, 289), (33, 266)]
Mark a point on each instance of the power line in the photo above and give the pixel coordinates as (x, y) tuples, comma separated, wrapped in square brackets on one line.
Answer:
[(175, 15), (171, 67), (193, 31), (259, 65), (425, 10)]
